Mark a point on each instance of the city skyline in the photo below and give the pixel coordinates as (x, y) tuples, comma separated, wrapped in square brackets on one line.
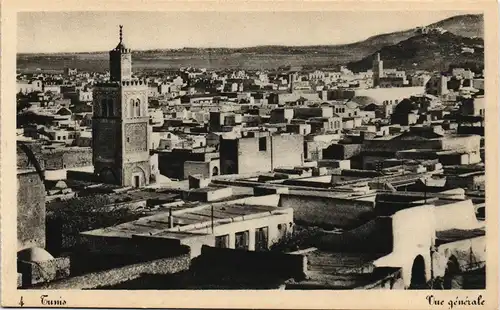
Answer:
[(41, 32)]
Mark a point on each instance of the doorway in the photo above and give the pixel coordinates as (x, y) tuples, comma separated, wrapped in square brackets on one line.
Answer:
[(418, 276), (137, 181)]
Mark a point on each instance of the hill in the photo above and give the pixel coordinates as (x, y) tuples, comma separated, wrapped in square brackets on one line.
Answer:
[(469, 25), (432, 51), (258, 57)]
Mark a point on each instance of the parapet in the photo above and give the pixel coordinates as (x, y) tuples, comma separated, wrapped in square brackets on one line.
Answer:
[(134, 83), (107, 84)]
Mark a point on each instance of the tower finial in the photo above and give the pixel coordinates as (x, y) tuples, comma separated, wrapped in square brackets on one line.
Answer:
[(121, 33)]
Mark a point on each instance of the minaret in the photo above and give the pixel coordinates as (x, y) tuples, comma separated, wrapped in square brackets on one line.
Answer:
[(378, 70), (120, 133), (120, 61)]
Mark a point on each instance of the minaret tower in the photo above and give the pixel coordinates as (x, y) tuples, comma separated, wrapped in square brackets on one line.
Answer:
[(120, 61), (120, 134), (378, 70)]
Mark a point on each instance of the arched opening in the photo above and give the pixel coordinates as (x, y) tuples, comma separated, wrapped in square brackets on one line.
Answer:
[(418, 277), (137, 111), (215, 171), (452, 278), (131, 108), (138, 177)]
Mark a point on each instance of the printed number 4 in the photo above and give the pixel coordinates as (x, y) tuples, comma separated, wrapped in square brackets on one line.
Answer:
[(21, 302)]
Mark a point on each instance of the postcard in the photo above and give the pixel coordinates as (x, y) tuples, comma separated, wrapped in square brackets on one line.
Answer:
[(245, 154)]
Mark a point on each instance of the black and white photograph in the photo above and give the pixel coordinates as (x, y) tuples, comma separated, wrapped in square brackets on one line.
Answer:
[(230, 150)]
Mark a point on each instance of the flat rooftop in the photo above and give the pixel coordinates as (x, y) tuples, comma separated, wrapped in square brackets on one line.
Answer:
[(452, 235), (201, 215)]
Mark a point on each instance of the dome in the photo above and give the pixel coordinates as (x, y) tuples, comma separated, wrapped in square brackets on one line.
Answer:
[(364, 100), (34, 255), (351, 105), (63, 111), (61, 185)]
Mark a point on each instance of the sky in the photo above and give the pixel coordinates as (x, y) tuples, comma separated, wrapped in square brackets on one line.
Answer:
[(51, 32)]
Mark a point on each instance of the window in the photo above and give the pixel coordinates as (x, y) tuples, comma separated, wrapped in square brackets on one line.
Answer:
[(137, 111), (241, 240), (110, 107), (104, 107), (131, 108), (263, 144), (261, 239), (222, 241)]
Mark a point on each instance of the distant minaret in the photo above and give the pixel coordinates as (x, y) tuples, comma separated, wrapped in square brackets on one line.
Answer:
[(291, 80), (378, 70)]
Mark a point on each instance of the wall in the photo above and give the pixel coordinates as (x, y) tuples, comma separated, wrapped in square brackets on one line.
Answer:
[(341, 151), (470, 181), (250, 159), (271, 221), (464, 143), (395, 145), (30, 211), (141, 168), (270, 263), (40, 272), (287, 150), (412, 237), (228, 149), (395, 93), (67, 158), (469, 253), (115, 276), (204, 168), (328, 212), (457, 215), (268, 200), (376, 236)]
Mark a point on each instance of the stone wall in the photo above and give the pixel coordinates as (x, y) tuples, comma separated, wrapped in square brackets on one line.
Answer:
[(136, 135), (67, 158), (30, 211), (106, 138), (119, 275), (65, 220), (41, 272)]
